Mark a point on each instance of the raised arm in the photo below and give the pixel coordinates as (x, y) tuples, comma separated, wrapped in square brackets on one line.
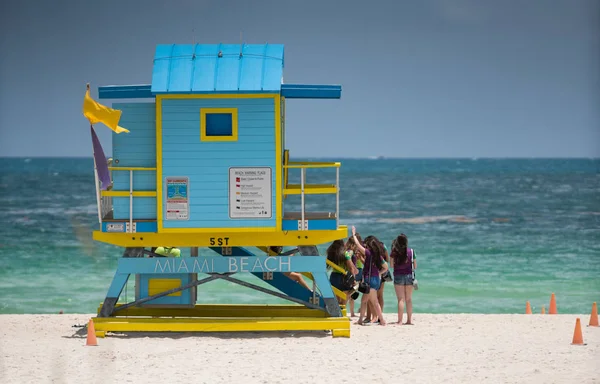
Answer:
[(359, 246)]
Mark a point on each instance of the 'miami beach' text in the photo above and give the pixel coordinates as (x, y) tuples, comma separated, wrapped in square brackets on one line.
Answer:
[(235, 265)]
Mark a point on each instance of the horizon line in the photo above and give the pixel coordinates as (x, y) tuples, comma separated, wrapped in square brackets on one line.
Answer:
[(368, 157)]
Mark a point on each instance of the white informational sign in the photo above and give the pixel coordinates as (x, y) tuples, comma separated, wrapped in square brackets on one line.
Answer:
[(176, 198), (115, 227), (250, 193)]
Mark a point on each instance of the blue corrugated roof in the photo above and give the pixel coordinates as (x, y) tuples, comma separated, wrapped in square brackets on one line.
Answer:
[(205, 68)]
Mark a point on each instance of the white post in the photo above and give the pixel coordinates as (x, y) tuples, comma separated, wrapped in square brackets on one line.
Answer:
[(337, 197), (302, 175), (130, 200)]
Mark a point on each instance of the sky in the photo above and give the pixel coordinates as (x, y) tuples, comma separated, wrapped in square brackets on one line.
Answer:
[(427, 78)]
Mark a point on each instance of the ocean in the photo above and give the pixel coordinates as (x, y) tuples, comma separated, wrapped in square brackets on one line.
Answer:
[(489, 234)]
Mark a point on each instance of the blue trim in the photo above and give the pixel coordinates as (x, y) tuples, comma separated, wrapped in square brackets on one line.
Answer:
[(144, 92), (313, 225), (306, 91), (117, 285), (234, 92), (290, 91), (125, 92)]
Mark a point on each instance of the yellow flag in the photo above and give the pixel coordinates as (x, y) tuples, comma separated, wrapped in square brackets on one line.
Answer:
[(98, 113)]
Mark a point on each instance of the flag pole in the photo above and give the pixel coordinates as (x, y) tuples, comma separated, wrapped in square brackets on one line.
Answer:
[(98, 198)]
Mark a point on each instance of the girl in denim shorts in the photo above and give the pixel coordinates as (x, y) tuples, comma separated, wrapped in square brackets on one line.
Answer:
[(403, 262), (374, 266)]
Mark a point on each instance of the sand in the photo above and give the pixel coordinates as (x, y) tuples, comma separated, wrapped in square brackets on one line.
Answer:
[(437, 349)]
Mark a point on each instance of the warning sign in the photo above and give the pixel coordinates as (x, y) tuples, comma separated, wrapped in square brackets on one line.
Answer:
[(177, 201), (250, 193)]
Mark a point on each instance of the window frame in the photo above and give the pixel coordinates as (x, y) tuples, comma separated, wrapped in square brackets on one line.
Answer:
[(234, 124)]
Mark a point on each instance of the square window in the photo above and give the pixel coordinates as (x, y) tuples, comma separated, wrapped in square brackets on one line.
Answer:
[(218, 124)]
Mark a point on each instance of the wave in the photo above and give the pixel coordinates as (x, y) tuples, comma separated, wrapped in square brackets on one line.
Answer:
[(54, 211), (428, 219), (371, 212)]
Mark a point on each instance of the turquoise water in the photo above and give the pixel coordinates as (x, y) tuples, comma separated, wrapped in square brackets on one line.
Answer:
[(489, 234)]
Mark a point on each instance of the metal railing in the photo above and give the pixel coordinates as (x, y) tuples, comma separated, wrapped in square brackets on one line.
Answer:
[(104, 198), (316, 188)]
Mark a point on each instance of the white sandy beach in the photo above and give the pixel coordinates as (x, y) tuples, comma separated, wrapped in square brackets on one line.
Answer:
[(437, 349)]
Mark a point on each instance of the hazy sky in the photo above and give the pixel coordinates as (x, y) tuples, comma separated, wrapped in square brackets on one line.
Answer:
[(421, 78)]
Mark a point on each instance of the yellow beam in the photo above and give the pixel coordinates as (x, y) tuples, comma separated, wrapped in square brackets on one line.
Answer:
[(340, 333), (223, 237), (309, 164), (130, 324), (267, 250), (126, 193), (278, 165), (159, 186), (339, 293), (336, 267), (224, 310), (131, 169), (310, 189)]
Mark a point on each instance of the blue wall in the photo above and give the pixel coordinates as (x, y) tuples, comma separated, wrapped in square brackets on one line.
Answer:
[(207, 163), (135, 149)]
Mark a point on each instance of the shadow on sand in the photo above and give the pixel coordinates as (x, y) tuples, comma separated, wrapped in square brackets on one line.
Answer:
[(81, 333)]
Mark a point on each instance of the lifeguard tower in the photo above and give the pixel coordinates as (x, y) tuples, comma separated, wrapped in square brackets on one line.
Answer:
[(205, 166)]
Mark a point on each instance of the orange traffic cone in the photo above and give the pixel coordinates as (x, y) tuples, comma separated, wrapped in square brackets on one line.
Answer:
[(577, 335), (594, 316), (543, 310), (528, 308), (91, 335), (552, 310)]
